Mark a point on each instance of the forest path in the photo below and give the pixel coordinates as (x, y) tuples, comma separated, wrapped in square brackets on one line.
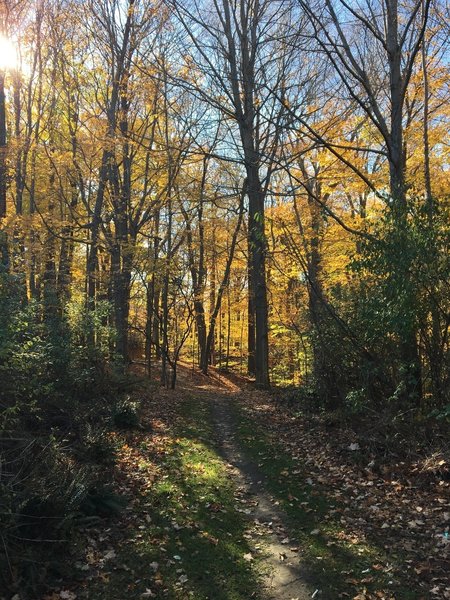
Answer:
[(278, 553), (199, 523), (229, 497)]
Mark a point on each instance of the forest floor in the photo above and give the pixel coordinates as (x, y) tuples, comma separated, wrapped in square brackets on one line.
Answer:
[(234, 497)]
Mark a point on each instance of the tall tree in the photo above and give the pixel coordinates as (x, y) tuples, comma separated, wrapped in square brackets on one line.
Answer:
[(239, 48), (373, 48)]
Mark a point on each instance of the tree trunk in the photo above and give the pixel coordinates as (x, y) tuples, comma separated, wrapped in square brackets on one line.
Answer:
[(4, 253), (258, 263), (409, 349), (251, 338), (210, 357)]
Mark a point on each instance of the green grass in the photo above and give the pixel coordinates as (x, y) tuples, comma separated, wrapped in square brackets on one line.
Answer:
[(337, 566), (192, 529)]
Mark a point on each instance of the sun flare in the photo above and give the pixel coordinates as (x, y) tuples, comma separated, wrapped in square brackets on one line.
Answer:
[(8, 54)]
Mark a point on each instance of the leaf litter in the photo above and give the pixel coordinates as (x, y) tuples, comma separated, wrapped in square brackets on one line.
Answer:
[(393, 502)]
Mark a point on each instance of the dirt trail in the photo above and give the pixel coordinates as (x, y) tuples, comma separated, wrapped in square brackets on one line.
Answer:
[(284, 579)]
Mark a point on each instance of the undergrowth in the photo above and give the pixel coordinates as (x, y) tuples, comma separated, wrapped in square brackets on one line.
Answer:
[(59, 397)]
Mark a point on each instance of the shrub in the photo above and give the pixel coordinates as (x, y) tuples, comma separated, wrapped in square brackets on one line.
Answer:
[(97, 446), (298, 398), (54, 443), (126, 414)]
